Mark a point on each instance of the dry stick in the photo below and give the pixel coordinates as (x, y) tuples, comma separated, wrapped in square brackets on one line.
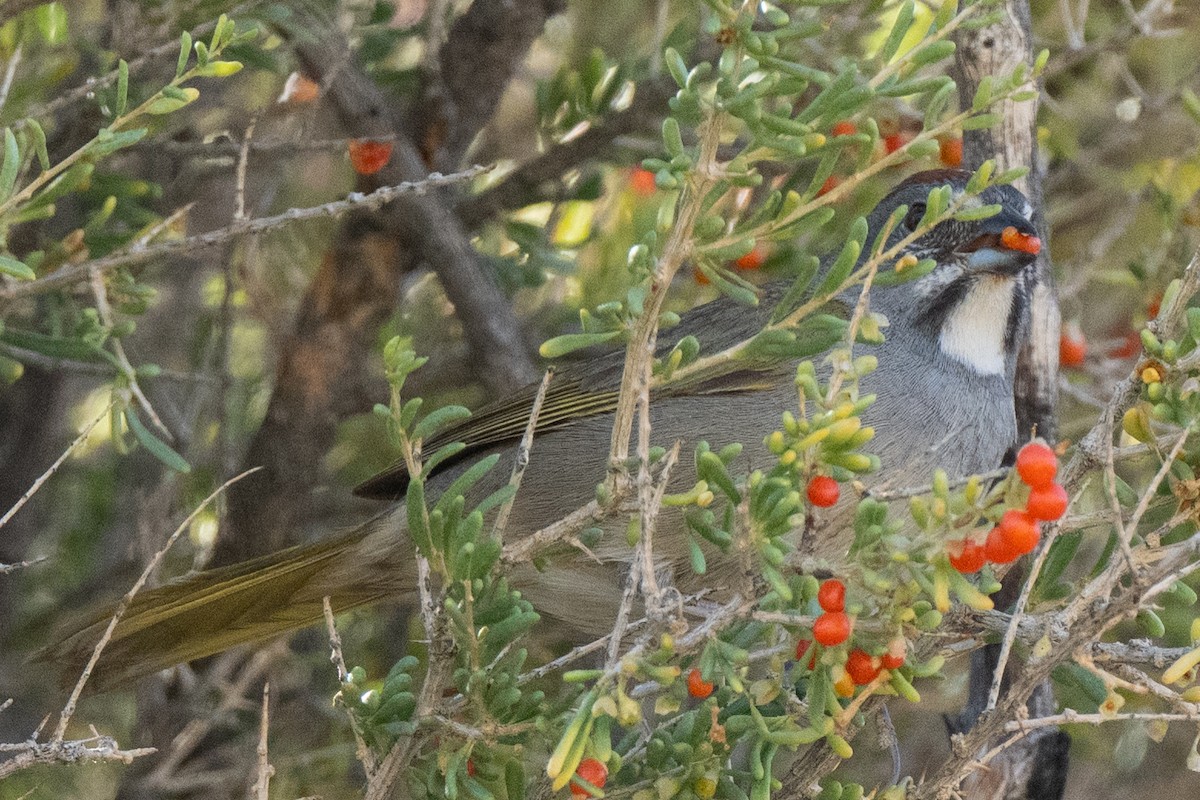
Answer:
[(68, 276), (265, 770), (100, 295), (7, 568), (365, 755), (395, 763), (58, 462), (188, 739), (1010, 634), (522, 458), (1070, 717), (69, 709)]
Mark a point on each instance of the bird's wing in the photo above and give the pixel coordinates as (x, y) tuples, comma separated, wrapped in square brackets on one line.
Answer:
[(590, 388)]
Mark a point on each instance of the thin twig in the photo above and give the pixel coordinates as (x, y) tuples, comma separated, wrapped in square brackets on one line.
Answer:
[(69, 709), (263, 784), (522, 458), (366, 756), (53, 468), (70, 275), (7, 568)]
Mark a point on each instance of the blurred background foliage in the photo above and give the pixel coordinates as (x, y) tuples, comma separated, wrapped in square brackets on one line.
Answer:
[(1119, 135)]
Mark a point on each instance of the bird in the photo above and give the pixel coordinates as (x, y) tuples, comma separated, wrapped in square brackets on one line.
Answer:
[(944, 387)]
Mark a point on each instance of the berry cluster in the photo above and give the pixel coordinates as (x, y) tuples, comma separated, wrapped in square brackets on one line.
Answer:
[(832, 628), (1017, 532)]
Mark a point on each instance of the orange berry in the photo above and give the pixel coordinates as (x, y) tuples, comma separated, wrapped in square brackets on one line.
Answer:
[(832, 595), (950, 151), (1019, 530), (1037, 465), (844, 686), (823, 491), (368, 157), (1013, 239), (894, 657), (844, 128), (1073, 350), (802, 647), (894, 141), (752, 260), (829, 185), (641, 181), (298, 89), (698, 687), (1129, 347), (1047, 503), (594, 772), (832, 628), (998, 549), (966, 556), (862, 667), (1153, 307)]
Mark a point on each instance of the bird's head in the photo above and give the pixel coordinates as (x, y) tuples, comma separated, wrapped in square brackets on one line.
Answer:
[(973, 303)]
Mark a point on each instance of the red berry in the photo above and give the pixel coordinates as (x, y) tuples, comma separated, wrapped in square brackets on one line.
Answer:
[(298, 90), (832, 628), (1154, 306), (823, 491), (829, 185), (752, 260), (832, 595), (1037, 465), (802, 648), (1015, 535), (368, 157), (998, 549), (1047, 503), (966, 556), (894, 657), (592, 771), (1129, 347), (471, 768), (1013, 239), (861, 667), (844, 128), (1072, 350), (894, 141), (697, 686), (950, 151), (641, 181)]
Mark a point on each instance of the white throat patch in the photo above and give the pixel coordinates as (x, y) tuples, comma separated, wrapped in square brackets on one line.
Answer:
[(974, 331)]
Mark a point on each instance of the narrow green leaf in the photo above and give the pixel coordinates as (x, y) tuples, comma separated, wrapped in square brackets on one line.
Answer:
[(122, 87), (155, 446), (560, 346), (166, 105), (218, 33), (185, 50), (982, 121), (439, 418), (904, 21), (983, 94), (39, 142), (219, 69), (12, 162), (15, 268)]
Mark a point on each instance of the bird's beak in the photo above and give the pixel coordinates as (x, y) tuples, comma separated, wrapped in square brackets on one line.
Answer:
[(1007, 243)]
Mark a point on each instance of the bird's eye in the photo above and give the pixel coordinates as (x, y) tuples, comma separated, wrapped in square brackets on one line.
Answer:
[(915, 212)]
